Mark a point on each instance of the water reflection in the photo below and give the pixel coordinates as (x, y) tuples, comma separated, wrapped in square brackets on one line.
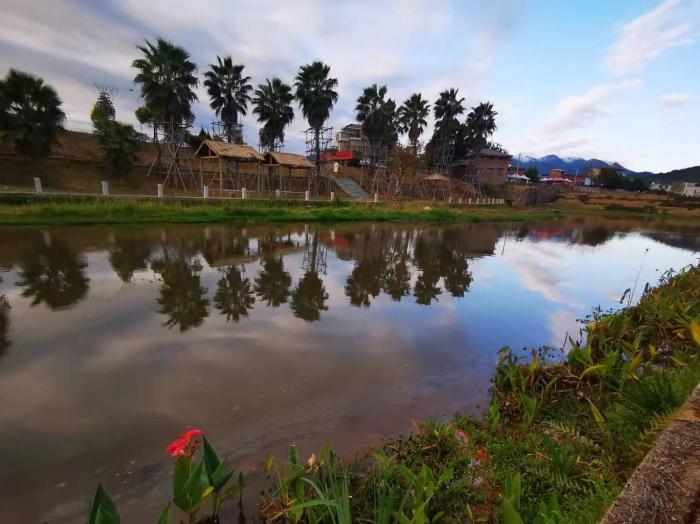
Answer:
[(273, 282), (4, 322), (53, 274), (129, 256), (234, 294), (182, 298)]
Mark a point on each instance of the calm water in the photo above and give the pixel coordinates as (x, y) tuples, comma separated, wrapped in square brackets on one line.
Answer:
[(112, 339)]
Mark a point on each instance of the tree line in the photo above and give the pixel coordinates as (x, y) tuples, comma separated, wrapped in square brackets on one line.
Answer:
[(31, 114)]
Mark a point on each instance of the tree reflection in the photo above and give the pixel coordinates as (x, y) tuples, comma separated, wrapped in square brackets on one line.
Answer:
[(234, 295), (428, 263), (309, 297), (364, 282), (182, 299), (129, 256), (4, 322), (54, 275), (397, 280), (273, 282)]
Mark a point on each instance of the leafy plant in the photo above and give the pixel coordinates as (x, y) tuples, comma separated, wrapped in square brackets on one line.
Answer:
[(102, 508)]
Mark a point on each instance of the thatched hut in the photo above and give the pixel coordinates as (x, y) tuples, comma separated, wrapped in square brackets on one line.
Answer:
[(436, 187), (229, 167), (288, 172)]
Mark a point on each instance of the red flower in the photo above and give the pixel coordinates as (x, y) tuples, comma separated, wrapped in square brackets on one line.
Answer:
[(186, 444)]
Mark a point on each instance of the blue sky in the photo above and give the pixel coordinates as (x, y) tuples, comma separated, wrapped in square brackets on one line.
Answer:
[(613, 80)]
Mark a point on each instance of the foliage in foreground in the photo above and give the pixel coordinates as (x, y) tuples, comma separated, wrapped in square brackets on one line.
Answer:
[(556, 444)]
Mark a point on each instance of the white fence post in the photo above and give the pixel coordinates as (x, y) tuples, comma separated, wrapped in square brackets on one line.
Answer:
[(205, 191), (332, 196), (243, 193), (105, 188), (37, 185), (160, 190), (306, 195), (449, 200), (460, 201), (376, 197), (278, 193)]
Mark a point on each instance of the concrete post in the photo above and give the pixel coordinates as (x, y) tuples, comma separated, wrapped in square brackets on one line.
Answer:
[(332, 196), (205, 191), (376, 197), (449, 200), (278, 193), (243, 193), (105, 188), (460, 201), (470, 201), (306, 195), (160, 190), (37, 185)]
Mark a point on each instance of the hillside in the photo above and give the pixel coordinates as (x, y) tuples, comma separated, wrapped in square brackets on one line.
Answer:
[(688, 174), (572, 165)]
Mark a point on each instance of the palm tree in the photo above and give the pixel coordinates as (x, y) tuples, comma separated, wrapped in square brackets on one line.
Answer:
[(316, 94), (373, 112), (481, 124), (412, 115), (167, 78), (447, 108), (30, 113), (229, 92), (273, 106)]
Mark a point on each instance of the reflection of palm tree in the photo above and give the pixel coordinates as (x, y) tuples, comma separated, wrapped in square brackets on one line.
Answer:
[(182, 298), (129, 256), (54, 275), (455, 271), (397, 281), (309, 297), (4, 323), (428, 263), (364, 282), (234, 296), (272, 284)]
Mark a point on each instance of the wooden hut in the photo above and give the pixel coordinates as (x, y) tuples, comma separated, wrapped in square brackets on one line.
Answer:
[(437, 187), (288, 172), (228, 167)]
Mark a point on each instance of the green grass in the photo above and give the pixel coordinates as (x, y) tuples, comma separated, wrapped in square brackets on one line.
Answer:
[(76, 210)]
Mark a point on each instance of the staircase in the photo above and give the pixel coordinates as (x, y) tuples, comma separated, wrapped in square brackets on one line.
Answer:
[(351, 188)]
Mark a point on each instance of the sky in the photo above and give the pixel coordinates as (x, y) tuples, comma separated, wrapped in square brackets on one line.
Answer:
[(619, 81)]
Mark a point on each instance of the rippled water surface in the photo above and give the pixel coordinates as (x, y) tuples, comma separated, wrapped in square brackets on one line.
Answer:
[(112, 339)]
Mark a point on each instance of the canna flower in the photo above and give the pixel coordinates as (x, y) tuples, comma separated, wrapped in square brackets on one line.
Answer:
[(185, 444)]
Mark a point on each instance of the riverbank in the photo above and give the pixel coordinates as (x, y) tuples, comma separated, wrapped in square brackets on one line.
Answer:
[(57, 210)]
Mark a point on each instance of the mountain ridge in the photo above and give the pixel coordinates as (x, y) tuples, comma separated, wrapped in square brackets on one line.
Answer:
[(571, 165)]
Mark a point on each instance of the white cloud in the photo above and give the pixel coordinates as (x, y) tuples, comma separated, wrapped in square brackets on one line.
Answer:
[(676, 99), (669, 25)]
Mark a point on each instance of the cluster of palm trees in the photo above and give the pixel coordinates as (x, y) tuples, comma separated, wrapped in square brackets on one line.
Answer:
[(166, 76), (30, 112)]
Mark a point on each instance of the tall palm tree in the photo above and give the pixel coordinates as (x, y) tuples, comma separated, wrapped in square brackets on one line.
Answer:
[(273, 106), (316, 94), (373, 110), (30, 113), (229, 92), (447, 107), (412, 115), (481, 124), (167, 78)]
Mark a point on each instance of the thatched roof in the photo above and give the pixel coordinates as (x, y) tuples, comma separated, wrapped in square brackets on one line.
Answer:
[(288, 160), (436, 177), (240, 152)]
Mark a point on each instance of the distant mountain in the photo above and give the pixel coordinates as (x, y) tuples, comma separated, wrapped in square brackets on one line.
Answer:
[(571, 165), (689, 174)]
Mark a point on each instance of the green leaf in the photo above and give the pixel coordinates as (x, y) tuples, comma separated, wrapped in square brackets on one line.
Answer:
[(165, 516), (509, 514), (293, 454), (190, 485), (695, 331), (102, 509), (210, 458)]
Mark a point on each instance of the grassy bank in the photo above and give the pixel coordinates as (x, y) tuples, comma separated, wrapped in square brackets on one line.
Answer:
[(557, 443), (63, 210)]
